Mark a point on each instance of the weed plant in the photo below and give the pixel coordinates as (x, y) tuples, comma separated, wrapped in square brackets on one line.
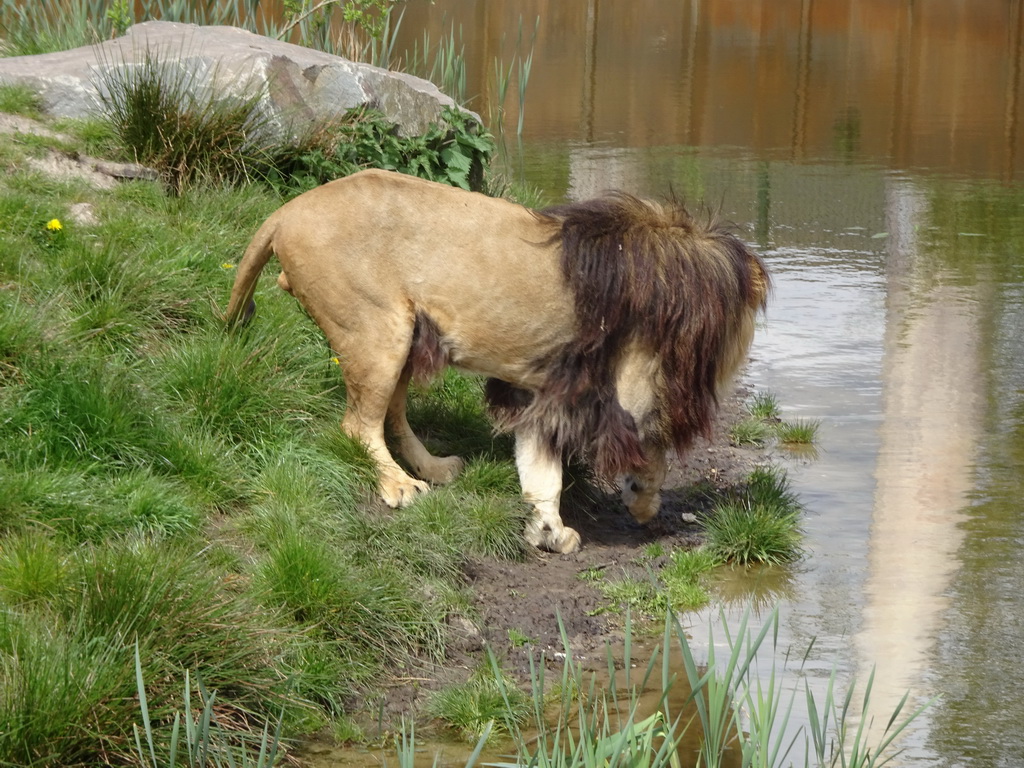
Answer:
[(454, 151)]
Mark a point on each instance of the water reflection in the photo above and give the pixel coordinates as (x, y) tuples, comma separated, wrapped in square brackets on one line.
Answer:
[(932, 412), (906, 83)]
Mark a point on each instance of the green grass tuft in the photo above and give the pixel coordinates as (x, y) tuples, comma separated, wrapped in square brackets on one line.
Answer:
[(155, 112), (20, 100), (638, 595), (798, 432), (750, 432), (744, 533), (485, 704), (764, 406), (759, 523)]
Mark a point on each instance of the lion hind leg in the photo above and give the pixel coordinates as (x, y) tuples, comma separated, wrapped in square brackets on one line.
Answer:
[(540, 474), (436, 470), (373, 370)]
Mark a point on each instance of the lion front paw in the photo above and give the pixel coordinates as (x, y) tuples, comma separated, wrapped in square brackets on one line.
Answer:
[(554, 538), (401, 492)]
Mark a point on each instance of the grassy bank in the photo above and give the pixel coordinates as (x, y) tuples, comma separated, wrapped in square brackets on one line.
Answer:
[(167, 485)]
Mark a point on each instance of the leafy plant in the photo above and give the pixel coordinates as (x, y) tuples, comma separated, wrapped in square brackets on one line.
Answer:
[(455, 151), (121, 16)]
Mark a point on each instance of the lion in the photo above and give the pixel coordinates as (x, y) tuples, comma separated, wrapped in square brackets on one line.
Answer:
[(607, 329)]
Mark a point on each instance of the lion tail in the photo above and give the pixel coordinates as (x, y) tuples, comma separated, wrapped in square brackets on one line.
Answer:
[(241, 305)]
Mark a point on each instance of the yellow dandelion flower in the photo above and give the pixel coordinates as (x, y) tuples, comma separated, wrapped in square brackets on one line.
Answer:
[(336, 361), (227, 265), (54, 225)]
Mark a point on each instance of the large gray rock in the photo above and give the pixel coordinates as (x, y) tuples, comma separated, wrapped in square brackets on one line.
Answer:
[(299, 85)]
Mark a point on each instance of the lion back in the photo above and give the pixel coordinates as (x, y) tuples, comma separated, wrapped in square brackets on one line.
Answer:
[(650, 274)]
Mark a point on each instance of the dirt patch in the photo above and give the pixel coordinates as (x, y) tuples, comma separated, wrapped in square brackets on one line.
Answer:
[(527, 599)]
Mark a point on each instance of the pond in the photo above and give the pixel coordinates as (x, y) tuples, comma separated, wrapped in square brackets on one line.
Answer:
[(872, 149)]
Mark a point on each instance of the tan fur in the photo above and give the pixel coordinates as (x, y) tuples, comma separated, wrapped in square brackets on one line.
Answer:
[(387, 264)]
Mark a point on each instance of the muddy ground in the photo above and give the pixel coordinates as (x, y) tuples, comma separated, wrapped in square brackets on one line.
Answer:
[(528, 597)]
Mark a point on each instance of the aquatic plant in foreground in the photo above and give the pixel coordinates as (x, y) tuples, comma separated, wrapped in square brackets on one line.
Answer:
[(736, 707)]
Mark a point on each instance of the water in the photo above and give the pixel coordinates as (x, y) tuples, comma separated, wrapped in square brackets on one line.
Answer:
[(872, 150)]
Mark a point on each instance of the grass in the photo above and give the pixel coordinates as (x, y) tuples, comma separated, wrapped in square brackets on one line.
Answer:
[(798, 432), (759, 523), (764, 406), (168, 484), (763, 424), (68, 628), (201, 741), (680, 583), (158, 112), (487, 704), (750, 431)]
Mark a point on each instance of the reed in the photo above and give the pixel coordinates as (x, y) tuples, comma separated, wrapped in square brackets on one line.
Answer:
[(737, 705)]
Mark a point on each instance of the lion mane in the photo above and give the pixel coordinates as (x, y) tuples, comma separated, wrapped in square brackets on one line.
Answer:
[(651, 274)]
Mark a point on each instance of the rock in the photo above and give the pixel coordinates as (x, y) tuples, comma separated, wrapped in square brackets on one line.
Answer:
[(465, 635), (83, 214), (297, 86), (64, 167)]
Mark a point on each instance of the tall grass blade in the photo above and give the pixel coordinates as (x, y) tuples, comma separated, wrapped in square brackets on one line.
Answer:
[(144, 707)]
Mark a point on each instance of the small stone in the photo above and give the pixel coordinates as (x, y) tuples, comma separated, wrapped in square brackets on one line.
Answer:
[(83, 214), (689, 517)]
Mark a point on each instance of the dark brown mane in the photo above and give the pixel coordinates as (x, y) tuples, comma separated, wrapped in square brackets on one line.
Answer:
[(648, 274)]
